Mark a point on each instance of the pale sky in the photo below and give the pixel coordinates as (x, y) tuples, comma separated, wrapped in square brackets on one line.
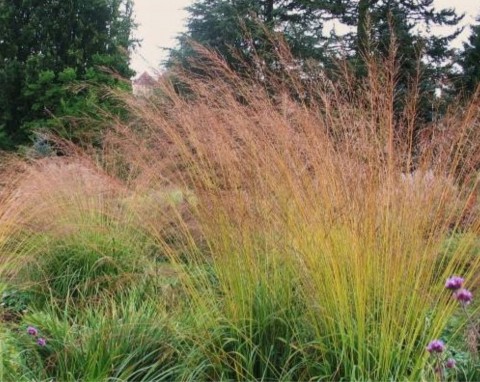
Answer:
[(160, 21)]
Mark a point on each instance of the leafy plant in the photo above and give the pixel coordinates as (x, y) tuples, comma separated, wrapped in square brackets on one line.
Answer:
[(15, 302)]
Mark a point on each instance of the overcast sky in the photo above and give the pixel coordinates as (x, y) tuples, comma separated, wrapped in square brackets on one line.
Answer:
[(161, 20)]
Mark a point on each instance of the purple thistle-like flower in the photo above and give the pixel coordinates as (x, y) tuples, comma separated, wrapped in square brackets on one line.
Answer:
[(42, 341), (436, 346), (450, 364), (464, 296), (32, 331), (454, 283)]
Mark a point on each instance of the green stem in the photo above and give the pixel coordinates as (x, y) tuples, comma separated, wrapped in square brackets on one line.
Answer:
[(471, 321), (439, 368)]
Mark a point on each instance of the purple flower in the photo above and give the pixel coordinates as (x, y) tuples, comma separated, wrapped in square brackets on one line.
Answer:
[(450, 364), (42, 341), (464, 296), (454, 283), (436, 346), (32, 331)]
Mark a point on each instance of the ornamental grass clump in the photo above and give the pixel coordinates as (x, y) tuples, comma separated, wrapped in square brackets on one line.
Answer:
[(71, 232), (328, 197)]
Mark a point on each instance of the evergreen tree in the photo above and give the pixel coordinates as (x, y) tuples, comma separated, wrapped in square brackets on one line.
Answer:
[(230, 26), (470, 60), (239, 27), (226, 24), (50, 50), (374, 21)]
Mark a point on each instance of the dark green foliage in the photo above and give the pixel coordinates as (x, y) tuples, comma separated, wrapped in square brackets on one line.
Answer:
[(242, 33), (241, 30), (371, 18), (470, 60), (264, 347), (14, 303), (57, 58), (422, 57), (122, 340), (225, 25)]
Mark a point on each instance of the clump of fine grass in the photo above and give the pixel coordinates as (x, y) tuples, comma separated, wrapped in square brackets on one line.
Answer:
[(80, 267), (72, 236), (123, 339), (321, 195), (98, 285)]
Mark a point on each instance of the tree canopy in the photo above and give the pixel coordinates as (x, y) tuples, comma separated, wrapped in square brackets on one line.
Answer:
[(470, 59), (236, 28), (49, 52), (239, 27), (226, 24)]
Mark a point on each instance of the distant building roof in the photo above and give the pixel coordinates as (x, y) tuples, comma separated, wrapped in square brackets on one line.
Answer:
[(144, 80)]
